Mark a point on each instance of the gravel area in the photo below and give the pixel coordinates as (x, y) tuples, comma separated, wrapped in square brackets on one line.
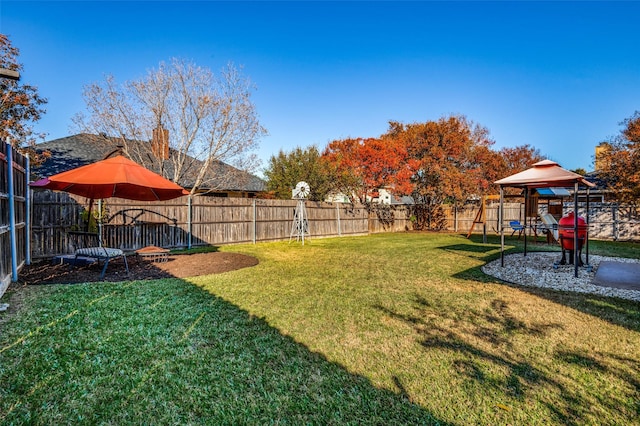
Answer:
[(537, 270)]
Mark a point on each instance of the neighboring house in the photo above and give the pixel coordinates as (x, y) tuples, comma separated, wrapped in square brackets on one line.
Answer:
[(338, 197), (601, 192), (221, 180), (386, 197)]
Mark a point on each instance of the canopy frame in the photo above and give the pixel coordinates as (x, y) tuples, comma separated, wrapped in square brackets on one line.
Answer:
[(545, 174)]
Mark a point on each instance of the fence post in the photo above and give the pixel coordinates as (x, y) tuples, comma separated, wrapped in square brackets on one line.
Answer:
[(255, 219), (12, 215), (27, 208), (455, 216), (614, 216), (189, 223), (338, 216)]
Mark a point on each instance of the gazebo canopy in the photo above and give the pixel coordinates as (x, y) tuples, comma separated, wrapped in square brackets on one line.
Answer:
[(544, 174)]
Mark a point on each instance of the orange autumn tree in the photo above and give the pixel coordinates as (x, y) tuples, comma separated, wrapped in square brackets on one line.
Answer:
[(450, 158), (435, 162), (514, 160), (20, 105), (619, 163), (362, 166), (518, 159)]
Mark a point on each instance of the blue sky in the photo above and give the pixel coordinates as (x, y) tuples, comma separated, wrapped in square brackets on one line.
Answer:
[(559, 76)]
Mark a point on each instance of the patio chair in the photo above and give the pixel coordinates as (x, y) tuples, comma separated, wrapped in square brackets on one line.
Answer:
[(87, 247), (103, 254), (517, 227)]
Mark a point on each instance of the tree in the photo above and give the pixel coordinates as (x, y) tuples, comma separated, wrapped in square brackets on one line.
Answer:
[(518, 159), (342, 156), (513, 160), (362, 166), (580, 171), (200, 115), (620, 162), (450, 156), (20, 104), (288, 168)]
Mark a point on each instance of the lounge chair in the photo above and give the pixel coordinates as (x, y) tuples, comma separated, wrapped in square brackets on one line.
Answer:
[(550, 226), (102, 254)]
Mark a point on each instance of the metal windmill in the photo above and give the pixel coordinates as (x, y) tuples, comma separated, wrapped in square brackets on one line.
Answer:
[(300, 222)]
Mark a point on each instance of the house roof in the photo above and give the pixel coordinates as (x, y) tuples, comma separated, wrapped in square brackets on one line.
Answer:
[(544, 174), (600, 183), (78, 150)]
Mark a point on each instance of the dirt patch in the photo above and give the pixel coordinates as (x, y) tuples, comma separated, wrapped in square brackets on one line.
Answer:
[(176, 266)]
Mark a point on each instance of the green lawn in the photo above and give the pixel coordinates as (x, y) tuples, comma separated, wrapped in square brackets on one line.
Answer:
[(384, 329)]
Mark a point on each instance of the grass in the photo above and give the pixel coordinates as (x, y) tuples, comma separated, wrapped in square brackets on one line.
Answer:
[(384, 329), (599, 247), (194, 250)]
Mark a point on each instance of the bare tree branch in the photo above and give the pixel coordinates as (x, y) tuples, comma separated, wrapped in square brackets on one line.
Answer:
[(210, 120)]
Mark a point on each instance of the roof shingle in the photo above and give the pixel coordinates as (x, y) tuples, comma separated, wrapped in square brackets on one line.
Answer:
[(78, 150)]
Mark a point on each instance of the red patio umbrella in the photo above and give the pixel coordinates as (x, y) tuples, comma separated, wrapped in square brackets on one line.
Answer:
[(114, 177)]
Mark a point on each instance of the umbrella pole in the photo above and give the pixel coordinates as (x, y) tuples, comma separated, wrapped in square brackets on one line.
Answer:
[(100, 222), (89, 216)]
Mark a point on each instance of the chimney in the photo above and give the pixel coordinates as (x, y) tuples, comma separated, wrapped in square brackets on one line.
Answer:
[(601, 150), (160, 143)]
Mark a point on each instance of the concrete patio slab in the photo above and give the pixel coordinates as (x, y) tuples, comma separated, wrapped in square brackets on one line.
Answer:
[(618, 275)]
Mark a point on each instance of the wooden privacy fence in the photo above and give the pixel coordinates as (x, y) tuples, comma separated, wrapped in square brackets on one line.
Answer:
[(607, 221), (59, 217), (129, 225), (14, 244)]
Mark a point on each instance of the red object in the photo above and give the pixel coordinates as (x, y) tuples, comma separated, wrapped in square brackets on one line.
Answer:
[(566, 227), (114, 177)]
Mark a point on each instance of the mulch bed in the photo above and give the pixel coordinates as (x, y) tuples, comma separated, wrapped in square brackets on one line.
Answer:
[(177, 266)]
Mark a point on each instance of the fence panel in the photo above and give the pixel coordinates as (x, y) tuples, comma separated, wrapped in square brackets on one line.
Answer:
[(610, 221), (385, 218), (13, 184), (5, 237), (460, 218), (131, 225)]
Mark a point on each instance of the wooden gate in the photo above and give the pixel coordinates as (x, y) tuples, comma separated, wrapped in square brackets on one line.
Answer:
[(14, 244)]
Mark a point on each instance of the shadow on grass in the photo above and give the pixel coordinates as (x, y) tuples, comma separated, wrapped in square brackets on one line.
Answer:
[(470, 248), (622, 312), (514, 244), (168, 352), (480, 344), (476, 249), (177, 264), (625, 313)]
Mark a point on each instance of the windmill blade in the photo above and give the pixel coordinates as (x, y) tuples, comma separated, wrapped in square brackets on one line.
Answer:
[(302, 190)]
